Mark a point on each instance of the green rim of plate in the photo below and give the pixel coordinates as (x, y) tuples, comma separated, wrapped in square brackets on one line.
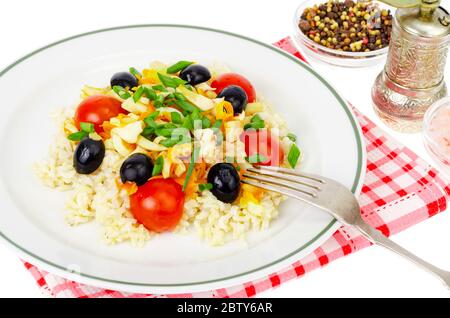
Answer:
[(355, 126)]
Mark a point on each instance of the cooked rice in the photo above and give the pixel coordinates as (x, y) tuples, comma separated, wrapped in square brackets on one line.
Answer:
[(218, 222)]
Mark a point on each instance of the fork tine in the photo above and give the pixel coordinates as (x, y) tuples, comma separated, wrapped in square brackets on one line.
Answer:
[(280, 176), (285, 191), (278, 171), (280, 187)]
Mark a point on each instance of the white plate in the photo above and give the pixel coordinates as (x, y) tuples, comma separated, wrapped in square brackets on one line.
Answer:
[(31, 215)]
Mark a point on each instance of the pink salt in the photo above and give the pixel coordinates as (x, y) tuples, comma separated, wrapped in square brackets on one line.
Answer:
[(439, 130)]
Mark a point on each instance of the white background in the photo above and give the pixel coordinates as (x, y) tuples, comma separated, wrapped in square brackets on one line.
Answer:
[(28, 25)]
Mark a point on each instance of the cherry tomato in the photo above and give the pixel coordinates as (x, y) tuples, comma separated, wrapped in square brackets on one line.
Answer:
[(263, 144), (158, 204), (228, 79), (96, 110)]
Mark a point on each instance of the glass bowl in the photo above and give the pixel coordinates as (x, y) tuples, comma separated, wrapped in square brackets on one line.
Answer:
[(332, 56), (436, 133)]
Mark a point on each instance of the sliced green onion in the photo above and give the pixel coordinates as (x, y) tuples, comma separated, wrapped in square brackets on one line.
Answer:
[(135, 72), (178, 66), (188, 123), (190, 87), (150, 93), (154, 114), (256, 158), (255, 123), (77, 136), (170, 125), (217, 124), (206, 123), (151, 117), (150, 120), (138, 94), (170, 142), (294, 154), (206, 186), (186, 106), (169, 81), (194, 157), (119, 90), (190, 119), (259, 125), (150, 123), (179, 96), (238, 168), (159, 87), (158, 167), (169, 100), (165, 130), (87, 127), (176, 118), (292, 137), (196, 114), (256, 118), (159, 101), (148, 132)]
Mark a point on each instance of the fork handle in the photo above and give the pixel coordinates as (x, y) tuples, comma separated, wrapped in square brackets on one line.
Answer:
[(378, 238)]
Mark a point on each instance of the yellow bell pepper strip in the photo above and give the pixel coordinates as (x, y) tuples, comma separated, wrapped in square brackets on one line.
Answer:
[(224, 111)]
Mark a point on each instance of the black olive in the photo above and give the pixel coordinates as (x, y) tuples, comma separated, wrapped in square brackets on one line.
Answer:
[(124, 79), (136, 168), (225, 182), (88, 155), (236, 96), (195, 74)]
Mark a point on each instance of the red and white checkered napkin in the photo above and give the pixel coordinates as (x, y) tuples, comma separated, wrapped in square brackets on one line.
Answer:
[(399, 191)]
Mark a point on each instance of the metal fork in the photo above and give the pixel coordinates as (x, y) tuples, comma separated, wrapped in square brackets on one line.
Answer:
[(336, 199)]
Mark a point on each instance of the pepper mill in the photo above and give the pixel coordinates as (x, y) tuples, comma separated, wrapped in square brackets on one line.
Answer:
[(413, 77)]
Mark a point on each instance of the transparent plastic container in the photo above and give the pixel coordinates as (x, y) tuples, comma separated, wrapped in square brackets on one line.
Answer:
[(436, 133), (331, 56)]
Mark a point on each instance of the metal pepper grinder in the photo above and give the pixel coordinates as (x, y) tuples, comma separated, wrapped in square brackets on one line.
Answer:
[(413, 77)]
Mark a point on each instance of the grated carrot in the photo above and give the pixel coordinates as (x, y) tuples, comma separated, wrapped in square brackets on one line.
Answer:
[(107, 127), (192, 186), (129, 187)]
